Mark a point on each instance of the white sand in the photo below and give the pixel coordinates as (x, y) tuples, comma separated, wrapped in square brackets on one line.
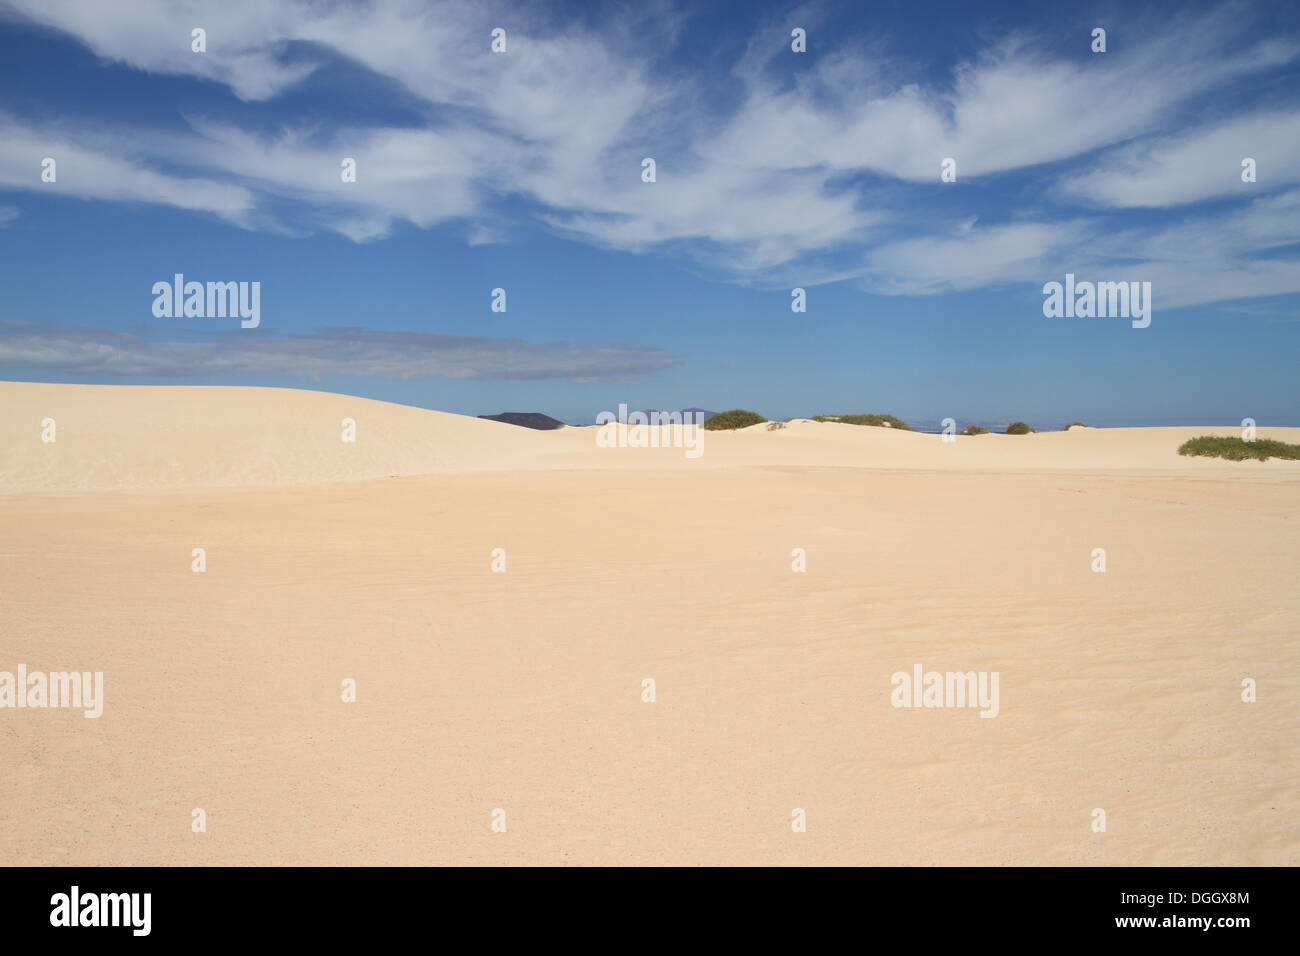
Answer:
[(522, 690)]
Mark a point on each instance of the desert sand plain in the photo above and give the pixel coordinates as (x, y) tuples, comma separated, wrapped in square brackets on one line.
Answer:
[(522, 690)]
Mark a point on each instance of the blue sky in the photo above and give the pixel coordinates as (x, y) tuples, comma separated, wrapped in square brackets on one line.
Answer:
[(774, 170)]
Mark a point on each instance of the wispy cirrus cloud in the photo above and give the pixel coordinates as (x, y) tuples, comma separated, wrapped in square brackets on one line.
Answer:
[(971, 257), (808, 177), (154, 35), (1013, 107), (101, 165), (1206, 257), (1204, 163)]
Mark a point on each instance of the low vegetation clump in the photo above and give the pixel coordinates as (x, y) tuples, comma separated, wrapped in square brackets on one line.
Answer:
[(975, 430), (736, 418), (1072, 424), (1238, 449), (887, 421), (1019, 428), (773, 426)]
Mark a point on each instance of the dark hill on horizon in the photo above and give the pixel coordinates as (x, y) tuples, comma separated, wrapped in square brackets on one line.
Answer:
[(703, 414), (526, 420)]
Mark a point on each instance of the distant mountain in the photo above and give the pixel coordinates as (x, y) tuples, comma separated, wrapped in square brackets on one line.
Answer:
[(526, 420), (700, 413)]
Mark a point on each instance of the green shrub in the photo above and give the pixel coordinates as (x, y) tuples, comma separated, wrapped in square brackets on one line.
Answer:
[(1019, 428), (975, 430), (1238, 449), (1071, 425), (882, 420), (736, 418), (773, 426)]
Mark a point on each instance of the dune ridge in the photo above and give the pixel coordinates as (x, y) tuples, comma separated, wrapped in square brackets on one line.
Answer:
[(113, 438), (771, 588)]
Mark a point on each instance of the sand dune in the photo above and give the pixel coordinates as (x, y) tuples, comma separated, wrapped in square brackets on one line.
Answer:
[(522, 690), (124, 437), (143, 437)]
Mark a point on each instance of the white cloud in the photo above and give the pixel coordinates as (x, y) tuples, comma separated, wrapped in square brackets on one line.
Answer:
[(1213, 256), (1208, 257), (88, 169), (785, 185), (1203, 164), (77, 350), (1012, 108), (243, 38), (971, 257)]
